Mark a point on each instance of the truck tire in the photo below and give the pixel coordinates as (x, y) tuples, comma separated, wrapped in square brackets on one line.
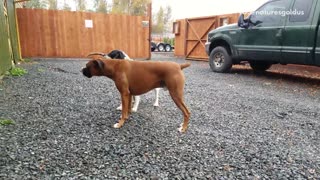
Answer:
[(161, 47), (153, 46), (168, 48), (219, 60), (260, 66)]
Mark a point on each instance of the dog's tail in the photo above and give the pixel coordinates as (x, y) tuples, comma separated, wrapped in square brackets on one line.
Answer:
[(96, 53), (185, 65)]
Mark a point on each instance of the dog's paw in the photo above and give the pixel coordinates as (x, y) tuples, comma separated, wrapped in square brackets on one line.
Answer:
[(156, 104), (134, 110), (181, 129), (117, 125), (119, 108)]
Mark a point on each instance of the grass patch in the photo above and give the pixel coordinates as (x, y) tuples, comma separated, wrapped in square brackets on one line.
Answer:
[(27, 60), (16, 71), (41, 70), (6, 122)]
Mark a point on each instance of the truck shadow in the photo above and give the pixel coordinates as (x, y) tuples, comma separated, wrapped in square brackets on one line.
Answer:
[(275, 75)]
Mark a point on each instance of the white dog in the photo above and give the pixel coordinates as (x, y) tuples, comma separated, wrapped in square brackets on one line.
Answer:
[(118, 54)]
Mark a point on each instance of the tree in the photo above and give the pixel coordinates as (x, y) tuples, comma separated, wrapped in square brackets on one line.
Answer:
[(36, 4), (66, 6), (132, 7), (81, 5), (139, 7), (101, 6), (162, 21), (52, 4), (119, 6), (168, 19), (158, 25)]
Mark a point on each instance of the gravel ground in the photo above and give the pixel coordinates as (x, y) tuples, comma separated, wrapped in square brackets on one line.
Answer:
[(242, 126)]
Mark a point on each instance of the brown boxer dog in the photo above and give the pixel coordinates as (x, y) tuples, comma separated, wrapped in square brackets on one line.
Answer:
[(138, 77)]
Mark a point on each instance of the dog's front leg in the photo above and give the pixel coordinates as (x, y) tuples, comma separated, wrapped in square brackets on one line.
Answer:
[(129, 104), (125, 96)]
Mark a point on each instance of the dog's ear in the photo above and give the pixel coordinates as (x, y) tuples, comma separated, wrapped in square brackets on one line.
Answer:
[(99, 63), (121, 55)]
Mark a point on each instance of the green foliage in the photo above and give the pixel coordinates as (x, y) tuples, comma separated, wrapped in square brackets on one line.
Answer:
[(41, 70), (81, 5), (101, 6), (17, 71), (162, 21), (52, 4), (6, 122), (36, 4), (131, 7), (66, 6), (139, 7), (158, 25), (27, 60), (169, 41)]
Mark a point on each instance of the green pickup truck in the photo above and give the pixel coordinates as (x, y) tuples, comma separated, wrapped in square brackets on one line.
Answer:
[(280, 31)]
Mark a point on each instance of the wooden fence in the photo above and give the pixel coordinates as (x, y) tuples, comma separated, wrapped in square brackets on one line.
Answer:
[(191, 34), (52, 33)]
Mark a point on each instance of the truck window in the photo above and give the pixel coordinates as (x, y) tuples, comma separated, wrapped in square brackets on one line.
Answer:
[(270, 14), (301, 11)]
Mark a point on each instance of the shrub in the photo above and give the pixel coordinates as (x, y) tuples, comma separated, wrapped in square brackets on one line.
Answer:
[(17, 71)]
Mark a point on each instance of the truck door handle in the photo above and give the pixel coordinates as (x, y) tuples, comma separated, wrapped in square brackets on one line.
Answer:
[(279, 33)]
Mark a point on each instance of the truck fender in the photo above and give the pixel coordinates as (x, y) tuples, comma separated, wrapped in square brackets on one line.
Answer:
[(223, 40)]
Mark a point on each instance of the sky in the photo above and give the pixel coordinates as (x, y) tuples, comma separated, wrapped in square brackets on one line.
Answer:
[(197, 8), (182, 9)]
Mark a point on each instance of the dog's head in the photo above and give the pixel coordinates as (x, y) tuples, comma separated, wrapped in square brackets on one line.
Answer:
[(94, 67), (116, 54)]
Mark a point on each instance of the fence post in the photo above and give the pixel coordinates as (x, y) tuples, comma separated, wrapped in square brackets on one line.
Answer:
[(149, 14)]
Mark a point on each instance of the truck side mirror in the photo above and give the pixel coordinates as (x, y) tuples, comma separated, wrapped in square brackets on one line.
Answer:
[(241, 22)]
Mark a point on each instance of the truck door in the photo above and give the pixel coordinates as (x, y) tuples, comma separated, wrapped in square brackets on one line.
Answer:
[(316, 22), (317, 49), (299, 33), (262, 40)]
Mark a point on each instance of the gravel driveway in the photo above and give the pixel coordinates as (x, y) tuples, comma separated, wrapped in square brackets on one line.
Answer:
[(242, 126)]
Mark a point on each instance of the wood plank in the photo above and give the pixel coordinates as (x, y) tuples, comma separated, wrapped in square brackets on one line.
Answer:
[(51, 33)]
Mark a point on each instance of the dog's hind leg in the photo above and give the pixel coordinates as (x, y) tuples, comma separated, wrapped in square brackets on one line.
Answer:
[(156, 102), (175, 87), (178, 99), (120, 107), (136, 103)]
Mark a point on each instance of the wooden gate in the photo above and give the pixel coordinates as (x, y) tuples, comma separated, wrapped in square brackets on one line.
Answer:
[(196, 34), (191, 34), (52, 33)]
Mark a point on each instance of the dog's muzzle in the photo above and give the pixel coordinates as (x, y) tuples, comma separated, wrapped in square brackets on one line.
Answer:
[(86, 72)]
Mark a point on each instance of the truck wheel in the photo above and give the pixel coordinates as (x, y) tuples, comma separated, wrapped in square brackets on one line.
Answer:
[(220, 61), (168, 48), (260, 66), (153, 46), (161, 47)]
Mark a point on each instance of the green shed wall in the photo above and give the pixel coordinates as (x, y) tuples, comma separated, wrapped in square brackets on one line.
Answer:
[(5, 54), (9, 50)]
